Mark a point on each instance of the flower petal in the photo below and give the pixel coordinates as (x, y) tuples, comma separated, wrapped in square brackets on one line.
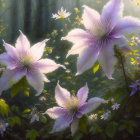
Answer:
[(61, 95), (127, 25), (106, 59), (86, 59), (112, 12), (55, 112), (90, 17), (74, 126), (45, 79), (93, 103), (11, 51), (9, 78), (35, 79), (78, 47), (5, 59), (62, 123), (22, 44), (47, 65), (38, 49), (78, 34), (82, 94), (122, 43)]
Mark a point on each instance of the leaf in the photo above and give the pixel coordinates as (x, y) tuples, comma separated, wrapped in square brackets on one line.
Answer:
[(22, 84), (31, 134), (96, 67), (111, 129), (43, 119), (4, 108), (83, 124), (14, 121), (27, 111)]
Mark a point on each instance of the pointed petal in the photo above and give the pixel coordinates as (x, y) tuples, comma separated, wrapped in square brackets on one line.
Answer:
[(82, 94), (112, 12), (78, 34), (47, 65), (90, 17), (93, 103), (86, 60), (38, 49), (61, 95), (122, 43), (55, 112), (35, 79), (5, 59), (9, 78), (106, 59), (45, 79), (11, 51), (127, 25), (22, 44), (62, 123), (74, 126), (78, 48)]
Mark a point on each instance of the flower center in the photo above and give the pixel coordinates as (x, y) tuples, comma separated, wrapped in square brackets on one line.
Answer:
[(99, 32), (26, 61), (72, 105)]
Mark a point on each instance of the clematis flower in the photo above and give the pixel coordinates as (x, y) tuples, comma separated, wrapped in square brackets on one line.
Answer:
[(71, 108), (135, 87), (115, 106), (101, 34), (24, 60), (61, 14), (3, 127)]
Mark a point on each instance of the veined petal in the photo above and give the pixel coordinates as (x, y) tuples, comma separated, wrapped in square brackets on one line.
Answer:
[(9, 78), (11, 51), (22, 44), (127, 25), (112, 12), (82, 94), (47, 65), (74, 126), (35, 79), (86, 59), (78, 34), (90, 17), (38, 49), (62, 123), (106, 59), (5, 59), (78, 48), (55, 112), (122, 43), (93, 103), (61, 95)]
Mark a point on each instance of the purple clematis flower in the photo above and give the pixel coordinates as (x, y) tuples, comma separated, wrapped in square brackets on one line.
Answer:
[(71, 108), (3, 127), (135, 87), (101, 34), (24, 60)]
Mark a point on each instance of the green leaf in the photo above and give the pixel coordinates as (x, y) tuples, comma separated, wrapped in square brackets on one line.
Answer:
[(111, 129), (18, 86), (4, 108), (31, 134), (96, 67), (26, 92), (43, 119), (83, 124), (27, 111), (14, 121)]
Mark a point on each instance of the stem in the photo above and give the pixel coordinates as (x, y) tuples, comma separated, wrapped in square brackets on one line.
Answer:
[(124, 73)]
